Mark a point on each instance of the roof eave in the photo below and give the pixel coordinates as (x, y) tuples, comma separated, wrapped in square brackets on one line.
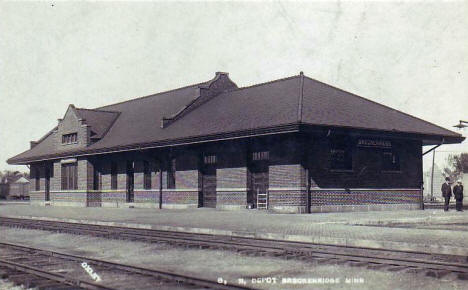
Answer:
[(427, 139), (280, 129)]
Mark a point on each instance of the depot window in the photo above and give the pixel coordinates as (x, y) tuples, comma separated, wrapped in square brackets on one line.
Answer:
[(209, 159), (341, 154), (69, 176), (390, 161), (69, 138), (261, 155)]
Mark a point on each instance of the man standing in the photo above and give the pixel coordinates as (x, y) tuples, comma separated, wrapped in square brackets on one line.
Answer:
[(446, 193), (458, 193)]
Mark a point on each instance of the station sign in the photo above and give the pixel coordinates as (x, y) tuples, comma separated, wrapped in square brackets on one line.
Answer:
[(374, 143)]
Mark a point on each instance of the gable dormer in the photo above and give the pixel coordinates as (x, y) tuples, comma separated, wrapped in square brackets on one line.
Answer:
[(72, 132), (82, 127)]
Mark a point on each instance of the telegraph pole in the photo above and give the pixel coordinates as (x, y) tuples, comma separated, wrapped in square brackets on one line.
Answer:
[(432, 176)]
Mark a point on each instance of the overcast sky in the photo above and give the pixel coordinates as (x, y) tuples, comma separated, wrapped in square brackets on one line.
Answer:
[(412, 56)]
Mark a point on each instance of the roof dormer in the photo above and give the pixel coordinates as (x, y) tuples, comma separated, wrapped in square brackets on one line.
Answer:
[(82, 127), (204, 92)]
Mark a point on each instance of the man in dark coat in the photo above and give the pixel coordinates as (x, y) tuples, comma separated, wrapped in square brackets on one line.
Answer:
[(446, 193), (458, 193)]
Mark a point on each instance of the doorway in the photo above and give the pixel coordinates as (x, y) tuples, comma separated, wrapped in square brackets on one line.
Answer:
[(47, 184), (130, 180), (259, 181), (207, 196)]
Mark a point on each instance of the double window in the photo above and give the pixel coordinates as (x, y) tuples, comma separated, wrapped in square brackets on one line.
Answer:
[(341, 154), (69, 138), (69, 176)]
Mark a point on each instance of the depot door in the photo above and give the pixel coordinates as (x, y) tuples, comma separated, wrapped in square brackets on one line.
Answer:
[(258, 194), (208, 194), (47, 184), (130, 181)]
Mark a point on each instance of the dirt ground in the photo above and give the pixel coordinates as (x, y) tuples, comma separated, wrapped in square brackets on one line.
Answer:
[(276, 273), (6, 285)]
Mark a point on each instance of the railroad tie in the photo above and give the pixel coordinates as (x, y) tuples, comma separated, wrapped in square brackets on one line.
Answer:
[(376, 266), (397, 268), (357, 263), (437, 273)]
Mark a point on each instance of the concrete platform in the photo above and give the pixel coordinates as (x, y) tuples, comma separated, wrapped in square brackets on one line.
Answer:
[(362, 229)]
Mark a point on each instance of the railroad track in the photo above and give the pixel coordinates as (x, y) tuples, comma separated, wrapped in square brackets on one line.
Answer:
[(436, 265), (44, 269)]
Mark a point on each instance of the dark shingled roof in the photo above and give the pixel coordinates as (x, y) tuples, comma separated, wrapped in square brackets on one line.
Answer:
[(268, 105), (99, 121)]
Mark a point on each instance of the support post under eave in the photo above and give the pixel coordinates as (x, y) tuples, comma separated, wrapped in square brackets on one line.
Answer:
[(160, 187), (435, 147), (432, 175)]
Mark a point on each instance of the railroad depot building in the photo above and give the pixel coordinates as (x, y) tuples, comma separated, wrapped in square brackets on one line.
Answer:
[(290, 145)]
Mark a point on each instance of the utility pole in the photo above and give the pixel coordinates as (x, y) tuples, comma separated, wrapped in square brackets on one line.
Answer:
[(432, 176)]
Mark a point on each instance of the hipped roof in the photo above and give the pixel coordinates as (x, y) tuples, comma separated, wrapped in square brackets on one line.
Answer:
[(277, 105)]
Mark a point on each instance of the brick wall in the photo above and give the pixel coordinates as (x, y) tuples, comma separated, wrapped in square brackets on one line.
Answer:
[(146, 196), (357, 196), (364, 200), (287, 179), (187, 179), (69, 198), (71, 124), (287, 176), (78, 197), (179, 199), (367, 172), (231, 175), (85, 175), (290, 160), (231, 184), (56, 180), (287, 191), (37, 195)]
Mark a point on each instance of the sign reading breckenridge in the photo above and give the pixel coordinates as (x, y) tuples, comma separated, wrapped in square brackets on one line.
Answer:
[(374, 143)]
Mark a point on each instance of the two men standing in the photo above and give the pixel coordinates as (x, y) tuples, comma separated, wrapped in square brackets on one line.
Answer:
[(457, 192)]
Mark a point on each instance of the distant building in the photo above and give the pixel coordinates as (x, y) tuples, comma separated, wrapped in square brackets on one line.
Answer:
[(439, 178), (4, 189), (19, 189)]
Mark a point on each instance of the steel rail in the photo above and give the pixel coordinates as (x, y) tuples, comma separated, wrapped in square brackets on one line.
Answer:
[(64, 279), (179, 278), (263, 246)]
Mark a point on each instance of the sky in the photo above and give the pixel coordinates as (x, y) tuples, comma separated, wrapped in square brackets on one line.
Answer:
[(412, 56)]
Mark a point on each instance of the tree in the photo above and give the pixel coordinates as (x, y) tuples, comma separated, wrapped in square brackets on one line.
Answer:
[(8, 176), (458, 163)]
